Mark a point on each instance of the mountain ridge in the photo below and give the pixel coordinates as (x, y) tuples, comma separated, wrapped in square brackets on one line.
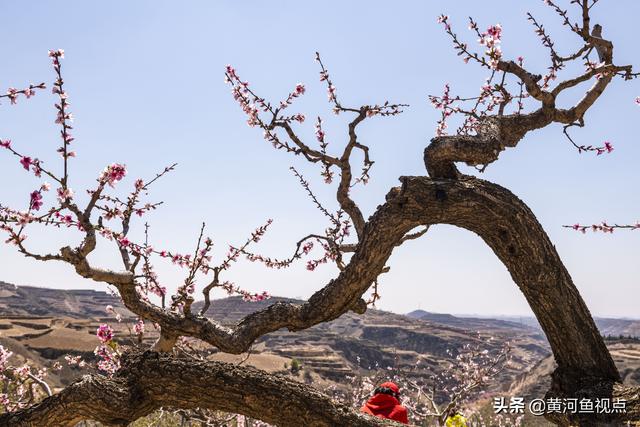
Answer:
[(43, 325), (82, 303)]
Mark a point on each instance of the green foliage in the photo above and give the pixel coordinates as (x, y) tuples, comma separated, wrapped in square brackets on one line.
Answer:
[(296, 366)]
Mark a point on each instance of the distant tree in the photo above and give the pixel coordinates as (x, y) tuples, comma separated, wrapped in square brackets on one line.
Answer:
[(138, 383), (295, 366)]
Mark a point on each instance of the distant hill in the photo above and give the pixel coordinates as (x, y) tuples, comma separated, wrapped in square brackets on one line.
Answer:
[(51, 323), (618, 327), (44, 324), (537, 380), (473, 322), (35, 301), (609, 327)]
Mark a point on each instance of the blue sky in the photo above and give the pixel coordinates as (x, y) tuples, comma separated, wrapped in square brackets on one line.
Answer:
[(145, 81)]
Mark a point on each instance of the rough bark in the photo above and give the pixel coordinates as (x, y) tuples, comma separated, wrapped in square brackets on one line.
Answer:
[(149, 381)]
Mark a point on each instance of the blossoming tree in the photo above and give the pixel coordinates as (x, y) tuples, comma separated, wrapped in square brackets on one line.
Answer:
[(141, 382)]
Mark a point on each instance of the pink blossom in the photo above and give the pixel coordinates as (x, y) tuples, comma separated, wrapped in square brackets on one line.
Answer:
[(159, 291), (67, 220), (138, 328), (6, 143), (110, 360), (104, 333), (4, 357), (307, 247), (36, 200), (111, 310), (491, 39), (106, 234), (231, 72), (26, 161), (37, 170), (74, 360), (113, 173), (110, 366), (331, 93), (12, 93), (608, 148), (246, 296), (62, 117), (64, 194), (495, 31), (56, 53)]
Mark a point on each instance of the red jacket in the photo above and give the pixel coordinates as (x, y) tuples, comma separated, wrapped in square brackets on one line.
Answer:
[(386, 406)]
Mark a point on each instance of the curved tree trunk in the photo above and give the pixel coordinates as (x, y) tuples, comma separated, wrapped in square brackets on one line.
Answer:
[(507, 225), (502, 220)]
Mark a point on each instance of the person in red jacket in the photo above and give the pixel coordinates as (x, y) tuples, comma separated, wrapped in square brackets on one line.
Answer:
[(385, 403)]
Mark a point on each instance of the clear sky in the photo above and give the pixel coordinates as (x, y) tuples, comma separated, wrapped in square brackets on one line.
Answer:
[(145, 81)]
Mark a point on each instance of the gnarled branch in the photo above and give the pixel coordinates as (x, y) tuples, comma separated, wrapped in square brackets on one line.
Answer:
[(149, 381)]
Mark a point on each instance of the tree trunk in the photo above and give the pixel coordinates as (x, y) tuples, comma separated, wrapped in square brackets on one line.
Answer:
[(507, 225), (502, 220)]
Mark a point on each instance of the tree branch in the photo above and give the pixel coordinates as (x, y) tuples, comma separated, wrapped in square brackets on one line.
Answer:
[(149, 381)]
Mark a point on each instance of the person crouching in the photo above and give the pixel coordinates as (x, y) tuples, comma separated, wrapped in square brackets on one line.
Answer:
[(385, 403)]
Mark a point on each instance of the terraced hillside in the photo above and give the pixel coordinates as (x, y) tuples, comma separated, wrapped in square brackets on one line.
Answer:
[(36, 301), (535, 382), (43, 325)]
